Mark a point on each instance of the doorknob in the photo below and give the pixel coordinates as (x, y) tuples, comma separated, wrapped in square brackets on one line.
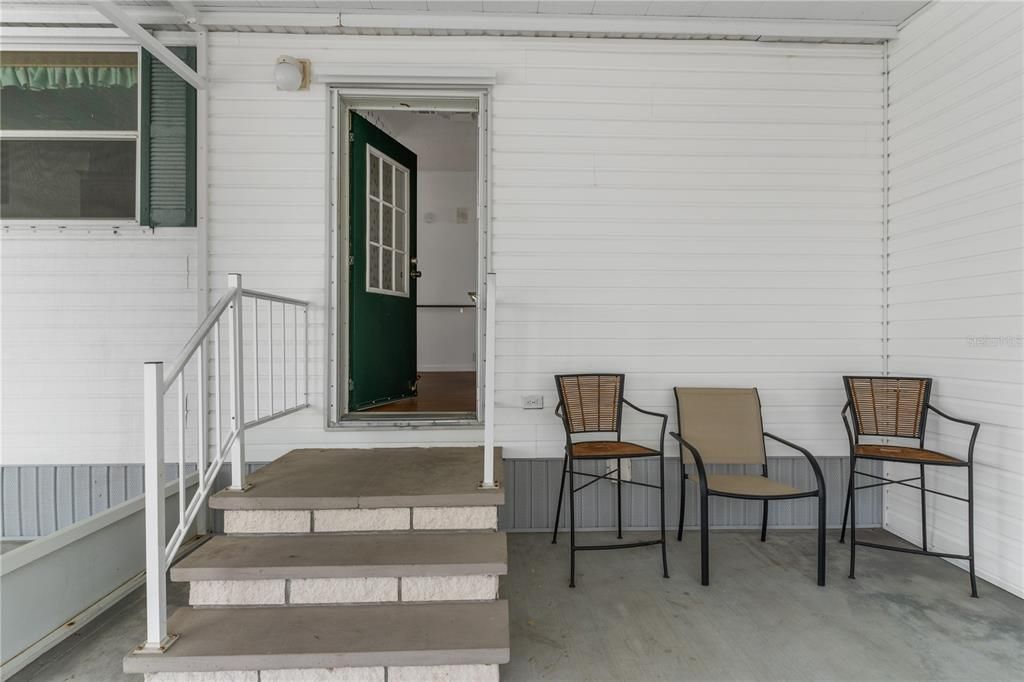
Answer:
[(472, 295), (415, 273)]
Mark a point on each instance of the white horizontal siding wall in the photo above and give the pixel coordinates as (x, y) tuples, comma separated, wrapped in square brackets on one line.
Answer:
[(956, 265), (82, 312), (703, 213)]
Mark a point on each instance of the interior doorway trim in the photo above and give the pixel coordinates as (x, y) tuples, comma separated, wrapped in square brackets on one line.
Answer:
[(423, 92)]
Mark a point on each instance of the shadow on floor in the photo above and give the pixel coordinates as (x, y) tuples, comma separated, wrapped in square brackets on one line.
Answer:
[(763, 617)]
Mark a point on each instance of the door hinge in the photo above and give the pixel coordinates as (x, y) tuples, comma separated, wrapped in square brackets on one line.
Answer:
[(351, 261), (351, 136), (351, 385)]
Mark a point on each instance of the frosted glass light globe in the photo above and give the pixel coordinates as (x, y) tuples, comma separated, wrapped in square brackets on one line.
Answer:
[(288, 74)]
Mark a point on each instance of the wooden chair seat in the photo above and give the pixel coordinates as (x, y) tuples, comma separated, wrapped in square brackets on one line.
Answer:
[(607, 449), (899, 453), (749, 484)]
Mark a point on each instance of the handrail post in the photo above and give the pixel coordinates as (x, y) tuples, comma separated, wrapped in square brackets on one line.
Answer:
[(237, 386), (156, 565), (202, 425), (489, 353)]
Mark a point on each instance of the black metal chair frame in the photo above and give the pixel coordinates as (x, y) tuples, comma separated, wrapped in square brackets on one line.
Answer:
[(850, 510), (569, 470), (705, 493)]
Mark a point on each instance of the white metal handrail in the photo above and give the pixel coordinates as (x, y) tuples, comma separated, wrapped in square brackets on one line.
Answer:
[(160, 550), (491, 297)]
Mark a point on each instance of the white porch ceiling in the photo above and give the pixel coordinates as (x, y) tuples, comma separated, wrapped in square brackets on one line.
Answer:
[(816, 21)]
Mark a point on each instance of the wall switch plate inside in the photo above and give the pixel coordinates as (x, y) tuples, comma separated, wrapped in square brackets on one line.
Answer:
[(627, 470), (533, 402)]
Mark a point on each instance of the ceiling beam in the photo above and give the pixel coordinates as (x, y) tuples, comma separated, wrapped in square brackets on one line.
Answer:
[(188, 11), (765, 28), (119, 18)]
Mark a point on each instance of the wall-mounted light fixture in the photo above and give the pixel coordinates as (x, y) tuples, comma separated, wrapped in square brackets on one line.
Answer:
[(291, 74)]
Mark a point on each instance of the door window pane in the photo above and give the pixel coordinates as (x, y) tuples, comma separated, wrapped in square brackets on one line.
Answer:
[(400, 188), (69, 90), (373, 267), (67, 179), (388, 225), (374, 173), (386, 270), (387, 181), (401, 264), (373, 211), (400, 230)]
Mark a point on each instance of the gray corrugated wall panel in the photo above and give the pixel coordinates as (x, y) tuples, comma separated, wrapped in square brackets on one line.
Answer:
[(38, 500), (534, 509)]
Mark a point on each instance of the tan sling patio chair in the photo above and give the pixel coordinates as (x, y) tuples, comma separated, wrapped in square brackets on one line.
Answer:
[(723, 426)]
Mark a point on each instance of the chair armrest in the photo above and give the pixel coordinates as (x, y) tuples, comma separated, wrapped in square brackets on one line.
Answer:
[(953, 419), (558, 409), (848, 407), (697, 459), (665, 421), (975, 426), (806, 453)]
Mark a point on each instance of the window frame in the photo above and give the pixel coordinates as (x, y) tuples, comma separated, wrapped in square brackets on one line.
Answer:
[(91, 135), (380, 202)]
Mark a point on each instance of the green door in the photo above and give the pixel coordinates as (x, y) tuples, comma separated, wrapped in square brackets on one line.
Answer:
[(382, 277)]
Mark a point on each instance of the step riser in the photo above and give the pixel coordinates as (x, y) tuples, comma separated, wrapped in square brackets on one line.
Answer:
[(428, 673), (252, 521), (310, 591)]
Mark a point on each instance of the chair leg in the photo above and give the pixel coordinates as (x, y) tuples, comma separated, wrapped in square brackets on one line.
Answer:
[(821, 538), (705, 578), (618, 493), (853, 518), (682, 499), (764, 521), (572, 527), (846, 509), (558, 507), (970, 528), (664, 546), (924, 519)]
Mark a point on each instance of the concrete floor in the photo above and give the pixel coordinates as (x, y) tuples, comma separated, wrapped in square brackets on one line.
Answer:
[(762, 617)]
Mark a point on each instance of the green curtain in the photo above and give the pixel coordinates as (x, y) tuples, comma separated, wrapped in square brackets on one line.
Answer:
[(64, 77)]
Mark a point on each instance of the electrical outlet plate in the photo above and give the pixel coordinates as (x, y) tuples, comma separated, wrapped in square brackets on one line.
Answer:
[(533, 402)]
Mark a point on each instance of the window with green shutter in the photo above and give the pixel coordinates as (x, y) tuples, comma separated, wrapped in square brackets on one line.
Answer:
[(90, 136), (167, 187)]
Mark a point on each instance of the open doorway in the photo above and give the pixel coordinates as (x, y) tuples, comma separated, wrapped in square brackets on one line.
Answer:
[(414, 264)]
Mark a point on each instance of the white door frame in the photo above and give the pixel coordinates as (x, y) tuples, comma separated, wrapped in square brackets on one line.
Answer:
[(415, 97)]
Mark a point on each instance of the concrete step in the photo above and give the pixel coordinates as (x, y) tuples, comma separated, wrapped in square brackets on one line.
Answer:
[(339, 569), (396, 642), (389, 489)]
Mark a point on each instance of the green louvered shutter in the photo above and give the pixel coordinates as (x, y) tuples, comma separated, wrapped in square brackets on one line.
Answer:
[(167, 185)]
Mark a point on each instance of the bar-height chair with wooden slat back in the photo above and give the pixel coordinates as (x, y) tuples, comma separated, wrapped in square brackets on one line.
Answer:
[(724, 426), (592, 404), (898, 407)]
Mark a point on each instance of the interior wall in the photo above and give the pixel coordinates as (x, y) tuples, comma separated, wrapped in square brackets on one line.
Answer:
[(955, 280), (447, 229), (686, 212)]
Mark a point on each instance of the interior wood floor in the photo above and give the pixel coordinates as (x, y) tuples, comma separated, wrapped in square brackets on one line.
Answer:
[(437, 392)]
